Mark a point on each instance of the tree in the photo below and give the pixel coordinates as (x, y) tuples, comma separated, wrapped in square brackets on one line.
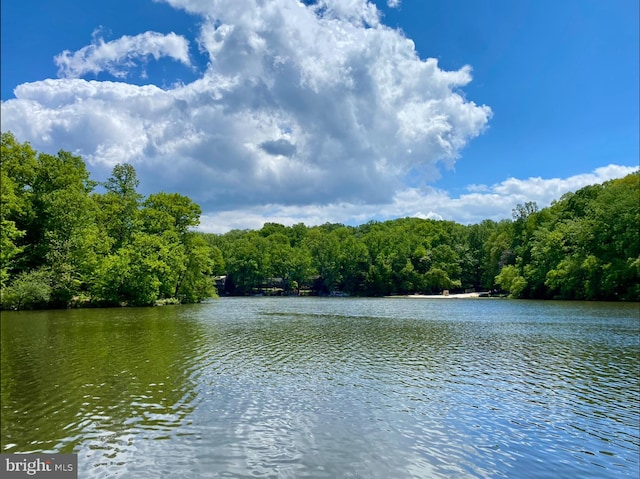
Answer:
[(614, 216), (45, 210), (73, 244), (139, 273), (9, 233), (17, 169), (195, 281), (510, 281), (324, 248), (378, 280), (120, 205), (280, 254), (169, 211), (28, 290), (353, 263), (479, 268), (301, 267), (62, 243), (243, 265), (498, 253)]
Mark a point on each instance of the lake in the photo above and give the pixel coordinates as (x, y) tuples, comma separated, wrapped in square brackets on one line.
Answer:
[(328, 388)]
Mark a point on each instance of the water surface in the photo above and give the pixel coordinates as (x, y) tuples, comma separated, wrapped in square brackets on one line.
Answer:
[(319, 387)]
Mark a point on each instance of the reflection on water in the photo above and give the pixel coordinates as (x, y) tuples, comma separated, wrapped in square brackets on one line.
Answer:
[(304, 387), (94, 379)]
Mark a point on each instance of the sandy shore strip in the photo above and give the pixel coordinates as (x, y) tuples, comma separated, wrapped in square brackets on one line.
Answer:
[(438, 296)]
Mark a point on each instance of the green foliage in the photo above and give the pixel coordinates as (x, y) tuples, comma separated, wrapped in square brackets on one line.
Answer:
[(374, 259), (195, 281), (170, 211), (585, 246), (510, 281), (8, 249), (117, 247), (10, 207), (113, 247), (27, 290), (119, 205), (17, 166)]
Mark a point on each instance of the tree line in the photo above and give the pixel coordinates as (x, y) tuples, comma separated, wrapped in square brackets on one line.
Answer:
[(67, 240), (586, 246)]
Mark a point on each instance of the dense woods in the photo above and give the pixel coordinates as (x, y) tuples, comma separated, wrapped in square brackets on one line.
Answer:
[(67, 240), (584, 246)]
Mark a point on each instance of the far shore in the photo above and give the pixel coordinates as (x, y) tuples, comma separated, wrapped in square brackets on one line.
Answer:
[(439, 296)]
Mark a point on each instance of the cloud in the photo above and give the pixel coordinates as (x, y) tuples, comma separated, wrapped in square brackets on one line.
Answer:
[(305, 112), (314, 109), (299, 104), (117, 56), (494, 202), (549, 189), (279, 147), (393, 3)]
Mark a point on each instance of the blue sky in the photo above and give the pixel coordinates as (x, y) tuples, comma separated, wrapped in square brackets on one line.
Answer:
[(298, 113)]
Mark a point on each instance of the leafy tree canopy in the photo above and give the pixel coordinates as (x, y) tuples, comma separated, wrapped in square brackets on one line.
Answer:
[(63, 242)]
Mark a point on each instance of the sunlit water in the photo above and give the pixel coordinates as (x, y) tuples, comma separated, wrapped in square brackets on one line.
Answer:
[(312, 387)]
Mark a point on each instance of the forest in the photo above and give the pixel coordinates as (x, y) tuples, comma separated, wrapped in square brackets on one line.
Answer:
[(584, 246), (69, 241)]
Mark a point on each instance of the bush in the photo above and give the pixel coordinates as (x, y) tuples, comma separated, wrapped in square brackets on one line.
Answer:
[(29, 290)]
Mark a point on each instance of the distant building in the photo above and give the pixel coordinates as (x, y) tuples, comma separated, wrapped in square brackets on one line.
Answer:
[(220, 282)]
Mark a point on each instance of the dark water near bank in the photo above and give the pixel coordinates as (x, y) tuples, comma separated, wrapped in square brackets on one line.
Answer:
[(304, 387)]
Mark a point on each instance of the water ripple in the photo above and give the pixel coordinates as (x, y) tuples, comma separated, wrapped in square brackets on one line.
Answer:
[(328, 388)]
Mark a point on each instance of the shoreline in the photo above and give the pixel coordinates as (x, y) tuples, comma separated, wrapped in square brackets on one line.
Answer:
[(438, 296)]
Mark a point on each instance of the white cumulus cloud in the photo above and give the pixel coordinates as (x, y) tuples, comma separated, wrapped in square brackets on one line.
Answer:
[(117, 56), (298, 105), (494, 202), (303, 112)]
